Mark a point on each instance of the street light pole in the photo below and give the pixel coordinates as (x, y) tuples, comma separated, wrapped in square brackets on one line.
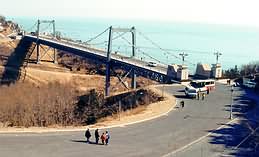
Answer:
[(231, 114)]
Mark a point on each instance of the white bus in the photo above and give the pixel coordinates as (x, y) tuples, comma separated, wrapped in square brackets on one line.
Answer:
[(196, 86), (209, 84)]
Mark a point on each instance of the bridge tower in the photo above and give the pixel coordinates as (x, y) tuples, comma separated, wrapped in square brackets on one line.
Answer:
[(39, 56), (109, 50)]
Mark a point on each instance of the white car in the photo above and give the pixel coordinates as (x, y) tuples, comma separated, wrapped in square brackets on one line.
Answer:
[(152, 64)]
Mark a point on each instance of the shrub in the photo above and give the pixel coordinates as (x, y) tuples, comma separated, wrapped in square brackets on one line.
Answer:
[(24, 104)]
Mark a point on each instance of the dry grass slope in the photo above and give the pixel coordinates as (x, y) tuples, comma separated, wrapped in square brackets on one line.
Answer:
[(24, 104)]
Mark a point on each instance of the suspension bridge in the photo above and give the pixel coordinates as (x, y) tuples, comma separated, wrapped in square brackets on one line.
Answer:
[(133, 65)]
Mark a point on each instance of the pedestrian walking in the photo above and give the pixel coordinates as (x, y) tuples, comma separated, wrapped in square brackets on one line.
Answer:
[(182, 104), (87, 135), (208, 91), (228, 81), (103, 138), (203, 96), (96, 134), (107, 138), (198, 95)]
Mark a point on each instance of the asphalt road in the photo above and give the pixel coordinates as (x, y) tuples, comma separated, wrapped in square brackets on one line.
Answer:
[(152, 138), (236, 139)]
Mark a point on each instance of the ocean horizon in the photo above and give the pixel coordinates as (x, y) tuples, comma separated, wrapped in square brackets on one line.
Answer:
[(238, 44)]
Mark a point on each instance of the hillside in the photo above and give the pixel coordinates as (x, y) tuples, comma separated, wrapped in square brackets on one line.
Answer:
[(59, 94)]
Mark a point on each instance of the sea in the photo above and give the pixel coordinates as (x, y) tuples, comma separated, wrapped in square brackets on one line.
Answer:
[(161, 41)]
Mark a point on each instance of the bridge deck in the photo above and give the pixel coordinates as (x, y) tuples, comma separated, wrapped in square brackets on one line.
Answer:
[(98, 54)]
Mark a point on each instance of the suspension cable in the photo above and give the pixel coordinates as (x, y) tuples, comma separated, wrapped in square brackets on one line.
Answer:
[(93, 38), (100, 43), (119, 35), (142, 51), (104, 42), (178, 50), (156, 45), (30, 28)]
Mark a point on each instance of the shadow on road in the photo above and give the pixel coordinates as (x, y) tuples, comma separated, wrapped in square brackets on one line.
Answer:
[(182, 96), (232, 135), (85, 142)]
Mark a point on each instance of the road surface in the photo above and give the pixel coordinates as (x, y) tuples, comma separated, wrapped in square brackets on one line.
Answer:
[(152, 138)]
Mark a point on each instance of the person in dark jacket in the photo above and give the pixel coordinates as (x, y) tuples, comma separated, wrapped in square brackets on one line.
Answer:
[(182, 104), (87, 135), (96, 134)]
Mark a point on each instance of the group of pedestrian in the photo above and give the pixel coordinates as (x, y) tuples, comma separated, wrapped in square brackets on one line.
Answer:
[(105, 137), (201, 95)]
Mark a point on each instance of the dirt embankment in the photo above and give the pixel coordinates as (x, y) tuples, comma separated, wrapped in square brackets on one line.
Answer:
[(70, 93), (56, 104)]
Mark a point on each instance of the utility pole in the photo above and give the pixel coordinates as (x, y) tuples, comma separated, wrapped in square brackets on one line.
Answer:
[(37, 42), (183, 56), (217, 56), (231, 114)]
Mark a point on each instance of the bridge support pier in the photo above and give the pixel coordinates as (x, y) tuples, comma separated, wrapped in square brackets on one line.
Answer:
[(38, 53), (107, 79), (133, 79), (109, 51), (55, 56), (38, 42), (133, 34)]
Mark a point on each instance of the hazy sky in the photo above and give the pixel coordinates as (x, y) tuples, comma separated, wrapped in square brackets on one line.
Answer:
[(243, 12)]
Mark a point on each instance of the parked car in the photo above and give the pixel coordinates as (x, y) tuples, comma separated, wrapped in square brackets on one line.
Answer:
[(152, 64)]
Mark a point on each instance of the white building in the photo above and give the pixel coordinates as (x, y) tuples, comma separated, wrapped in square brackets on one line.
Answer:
[(182, 73), (172, 70), (216, 71), (203, 70), (179, 72)]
